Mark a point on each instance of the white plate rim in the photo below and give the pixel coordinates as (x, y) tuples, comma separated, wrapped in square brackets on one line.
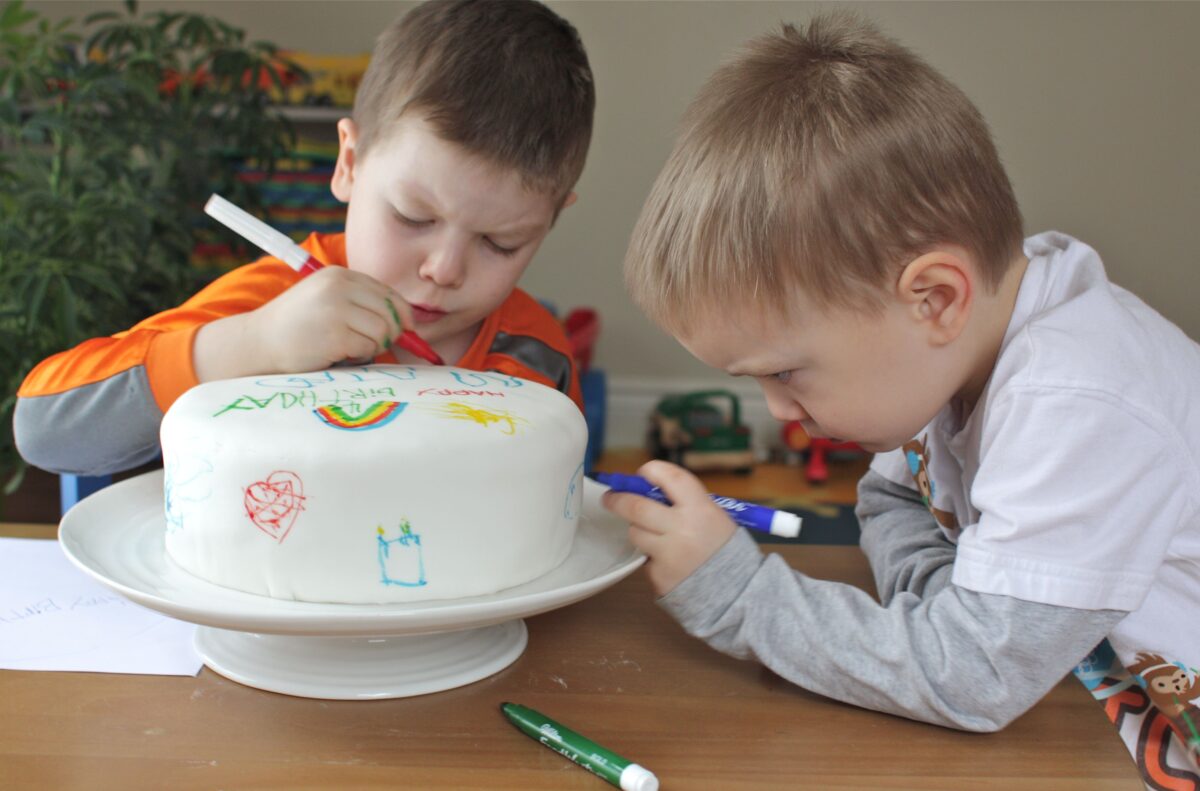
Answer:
[(103, 515)]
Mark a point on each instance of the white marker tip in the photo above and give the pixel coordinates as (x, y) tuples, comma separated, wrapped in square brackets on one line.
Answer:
[(785, 524)]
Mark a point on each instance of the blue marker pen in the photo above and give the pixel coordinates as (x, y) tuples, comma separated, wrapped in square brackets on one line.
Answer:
[(749, 515)]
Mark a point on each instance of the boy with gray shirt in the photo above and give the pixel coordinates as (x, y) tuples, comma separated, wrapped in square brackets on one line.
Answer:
[(834, 220)]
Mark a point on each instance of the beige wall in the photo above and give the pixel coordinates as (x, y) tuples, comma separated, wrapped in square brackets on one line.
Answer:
[(1094, 106)]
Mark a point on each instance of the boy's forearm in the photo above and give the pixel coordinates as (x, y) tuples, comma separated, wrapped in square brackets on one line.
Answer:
[(957, 658), (95, 409), (227, 348), (901, 540), (108, 421)]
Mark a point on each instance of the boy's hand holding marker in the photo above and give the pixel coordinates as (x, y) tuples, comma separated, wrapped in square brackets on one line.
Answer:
[(333, 315), (677, 538)]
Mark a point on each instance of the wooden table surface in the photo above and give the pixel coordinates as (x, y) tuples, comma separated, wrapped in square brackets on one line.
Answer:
[(614, 667)]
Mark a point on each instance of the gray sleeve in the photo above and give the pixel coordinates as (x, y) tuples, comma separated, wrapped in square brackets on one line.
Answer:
[(954, 658), (904, 545), (96, 429)]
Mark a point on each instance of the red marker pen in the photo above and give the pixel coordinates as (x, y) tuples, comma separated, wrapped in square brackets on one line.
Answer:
[(275, 243)]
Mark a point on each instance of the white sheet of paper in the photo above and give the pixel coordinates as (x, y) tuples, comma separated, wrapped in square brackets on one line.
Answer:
[(55, 617)]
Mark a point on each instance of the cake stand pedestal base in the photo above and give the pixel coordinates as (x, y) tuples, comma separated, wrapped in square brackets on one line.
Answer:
[(362, 668)]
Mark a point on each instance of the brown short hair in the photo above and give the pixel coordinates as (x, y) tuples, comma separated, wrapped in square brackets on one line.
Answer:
[(820, 159), (506, 79)]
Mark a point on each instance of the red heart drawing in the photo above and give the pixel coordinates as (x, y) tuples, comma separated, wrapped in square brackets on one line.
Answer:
[(274, 504)]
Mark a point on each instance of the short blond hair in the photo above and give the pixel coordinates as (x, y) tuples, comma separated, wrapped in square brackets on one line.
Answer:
[(507, 80), (819, 159)]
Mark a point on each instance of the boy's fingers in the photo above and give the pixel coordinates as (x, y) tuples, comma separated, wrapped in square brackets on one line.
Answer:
[(678, 484), (361, 345), (647, 541), (400, 312), (377, 296), (637, 510), (370, 326)]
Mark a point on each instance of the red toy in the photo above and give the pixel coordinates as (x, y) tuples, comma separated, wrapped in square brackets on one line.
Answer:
[(815, 450), (582, 326)]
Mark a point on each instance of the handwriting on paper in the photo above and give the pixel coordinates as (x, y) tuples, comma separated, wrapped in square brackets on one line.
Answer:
[(54, 617), (50, 605)]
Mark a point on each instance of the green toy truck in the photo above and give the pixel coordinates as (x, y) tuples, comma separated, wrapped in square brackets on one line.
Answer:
[(701, 431)]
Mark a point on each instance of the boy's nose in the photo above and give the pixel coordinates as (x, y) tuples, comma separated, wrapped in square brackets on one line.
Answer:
[(781, 405), (445, 265)]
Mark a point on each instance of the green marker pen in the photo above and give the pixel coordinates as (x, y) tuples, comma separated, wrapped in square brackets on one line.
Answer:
[(591, 756)]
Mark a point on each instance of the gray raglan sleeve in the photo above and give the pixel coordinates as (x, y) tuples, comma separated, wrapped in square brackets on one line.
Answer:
[(933, 652), (95, 429), (904, 545)]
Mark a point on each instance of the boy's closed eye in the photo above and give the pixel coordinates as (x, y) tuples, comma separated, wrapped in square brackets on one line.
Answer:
[(500, 249), (781, 377), (494, 246), (412, 221)]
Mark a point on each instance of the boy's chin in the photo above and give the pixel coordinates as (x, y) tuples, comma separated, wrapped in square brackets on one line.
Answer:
[(878, 447)]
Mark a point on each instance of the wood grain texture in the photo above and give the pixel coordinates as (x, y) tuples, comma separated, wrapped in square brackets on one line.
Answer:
[(614, 667)]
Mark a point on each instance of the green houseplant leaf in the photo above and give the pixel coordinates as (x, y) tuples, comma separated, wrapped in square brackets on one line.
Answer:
[(112, 135)]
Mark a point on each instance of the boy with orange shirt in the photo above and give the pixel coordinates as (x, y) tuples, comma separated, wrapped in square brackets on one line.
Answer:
[(454, 171)]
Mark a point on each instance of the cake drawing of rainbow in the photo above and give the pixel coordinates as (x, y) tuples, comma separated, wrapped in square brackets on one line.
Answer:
[(375, 416)]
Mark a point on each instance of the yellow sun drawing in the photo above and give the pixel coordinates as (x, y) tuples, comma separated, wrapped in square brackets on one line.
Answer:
[(485, 417)]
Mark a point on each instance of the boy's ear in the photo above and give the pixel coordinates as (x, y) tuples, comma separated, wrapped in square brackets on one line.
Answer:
[(567, 201), (343, 170), (938, 288)]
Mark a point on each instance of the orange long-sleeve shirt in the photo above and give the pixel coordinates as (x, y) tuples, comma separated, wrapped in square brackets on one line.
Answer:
[(96, 408)]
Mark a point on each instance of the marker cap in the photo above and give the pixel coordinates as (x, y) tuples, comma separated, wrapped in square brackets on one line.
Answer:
[(785, 524), (638, 778)]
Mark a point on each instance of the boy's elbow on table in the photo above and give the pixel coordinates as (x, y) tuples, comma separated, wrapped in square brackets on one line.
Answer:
[(51, 441)]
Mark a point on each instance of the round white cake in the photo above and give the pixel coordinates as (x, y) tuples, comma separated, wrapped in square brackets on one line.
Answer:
[(375, 484)]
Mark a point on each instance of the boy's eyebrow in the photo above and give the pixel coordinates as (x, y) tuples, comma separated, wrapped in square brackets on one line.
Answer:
[(420, 195), (403, 192), (519, 230)]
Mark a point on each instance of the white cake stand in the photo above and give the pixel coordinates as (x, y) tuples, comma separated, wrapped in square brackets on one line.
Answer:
[(338, 651)]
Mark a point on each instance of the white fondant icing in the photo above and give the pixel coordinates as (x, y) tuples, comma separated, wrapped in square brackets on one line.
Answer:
[(384, 483)]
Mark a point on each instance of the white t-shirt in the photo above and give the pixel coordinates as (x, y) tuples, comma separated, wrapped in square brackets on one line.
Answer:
[(1075, 481)]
